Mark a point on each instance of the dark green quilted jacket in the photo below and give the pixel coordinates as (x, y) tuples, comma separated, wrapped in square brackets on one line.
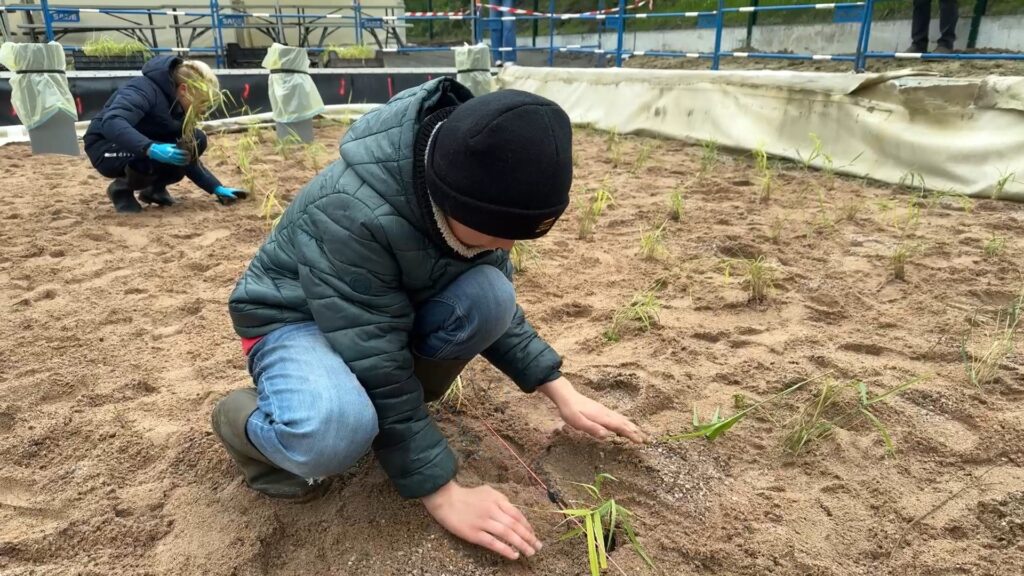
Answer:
[(358, 251)]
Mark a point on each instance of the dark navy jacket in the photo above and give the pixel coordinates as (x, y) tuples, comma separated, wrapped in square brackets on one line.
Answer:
[(145, 111)]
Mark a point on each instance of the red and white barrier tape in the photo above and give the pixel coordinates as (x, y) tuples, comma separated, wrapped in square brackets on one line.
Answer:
[(525, 12)]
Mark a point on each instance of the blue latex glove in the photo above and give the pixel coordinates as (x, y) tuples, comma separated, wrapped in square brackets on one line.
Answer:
[(227, 195), (167, 154)]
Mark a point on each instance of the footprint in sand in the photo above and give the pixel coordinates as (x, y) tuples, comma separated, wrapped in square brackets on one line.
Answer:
[(19, 495)]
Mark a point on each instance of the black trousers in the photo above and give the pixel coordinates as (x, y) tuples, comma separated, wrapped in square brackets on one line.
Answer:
[(111, 161), (948, 17)]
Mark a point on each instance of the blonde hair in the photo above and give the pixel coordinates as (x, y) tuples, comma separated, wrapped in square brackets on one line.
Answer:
[(202, 88), (195, 71)]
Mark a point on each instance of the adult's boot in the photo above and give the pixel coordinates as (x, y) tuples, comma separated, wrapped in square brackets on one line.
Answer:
[(229, 419), (156, 195), (436, 376), (123, 197)]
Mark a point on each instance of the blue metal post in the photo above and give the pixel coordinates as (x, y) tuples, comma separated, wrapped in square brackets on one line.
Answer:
[(865, 36), (358, 9), (620, 31), (719, 22), (218, 33), (478, 26), (47, 19), (551, 33)]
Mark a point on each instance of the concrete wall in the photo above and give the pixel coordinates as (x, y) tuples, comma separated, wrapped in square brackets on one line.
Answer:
[(996, 32), (166, 37)]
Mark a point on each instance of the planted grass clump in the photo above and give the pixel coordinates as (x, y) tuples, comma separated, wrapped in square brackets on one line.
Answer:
[(600, 524), (982, 364), (839, 406), (765, 176), (994, 246), (652, 243), (641, 312), (717, 426), (676, 205), (204, 99), (592, 208), (898, 258), (708, 156), (757, 274), (523, 255)]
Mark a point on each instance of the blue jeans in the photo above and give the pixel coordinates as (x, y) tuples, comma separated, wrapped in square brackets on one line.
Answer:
[(313, 417), (503, 33)]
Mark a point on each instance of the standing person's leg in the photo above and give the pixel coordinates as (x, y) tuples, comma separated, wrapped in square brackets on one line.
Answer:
[(922, 17), (494, 24), (309, 416), (457, 324), (508, 33), (948, 17)]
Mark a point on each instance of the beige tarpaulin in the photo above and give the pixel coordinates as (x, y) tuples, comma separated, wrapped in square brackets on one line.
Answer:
[(962, 135)]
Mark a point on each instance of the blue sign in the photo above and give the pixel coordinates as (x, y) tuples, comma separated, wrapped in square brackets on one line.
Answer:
[(66, 16), (707, 21), (843, 14), (377, 23), (232, 20)]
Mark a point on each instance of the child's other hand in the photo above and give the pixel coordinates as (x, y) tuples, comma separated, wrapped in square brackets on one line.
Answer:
[(483, 516), (588, 415)]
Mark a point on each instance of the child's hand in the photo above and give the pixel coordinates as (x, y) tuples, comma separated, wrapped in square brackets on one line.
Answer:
[(588, 415), (483, 516)]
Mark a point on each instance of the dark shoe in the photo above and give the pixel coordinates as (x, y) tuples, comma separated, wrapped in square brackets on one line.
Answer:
[(940, 49), (436, 376), (123, 197), (229, 418), (156, 195), (917, 49)]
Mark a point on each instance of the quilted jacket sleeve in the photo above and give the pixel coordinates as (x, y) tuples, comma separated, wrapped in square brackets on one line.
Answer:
[(351, 281), (521, 353), (130, 105)]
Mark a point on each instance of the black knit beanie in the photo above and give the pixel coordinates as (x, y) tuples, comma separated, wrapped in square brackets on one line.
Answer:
[(502, 164)]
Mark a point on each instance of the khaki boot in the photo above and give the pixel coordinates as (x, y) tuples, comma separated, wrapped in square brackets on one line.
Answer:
[(229, 419), (436, 376)]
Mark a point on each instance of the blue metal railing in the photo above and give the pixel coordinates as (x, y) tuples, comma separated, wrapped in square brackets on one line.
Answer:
[(616, 19)]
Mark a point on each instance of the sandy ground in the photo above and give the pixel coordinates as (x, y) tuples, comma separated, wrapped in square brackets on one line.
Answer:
[(953, 68), (115, 344)]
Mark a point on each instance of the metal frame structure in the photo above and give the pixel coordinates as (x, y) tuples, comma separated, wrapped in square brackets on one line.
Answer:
[(615, 18)]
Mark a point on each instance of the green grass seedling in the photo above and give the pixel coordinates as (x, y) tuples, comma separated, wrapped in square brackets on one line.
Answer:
[(898, 259), (1006, 177), (994, 246), (641, 311), (717, 426), (708, 156), (982, 368), (830, 409), (598, 524), (641, 158), (676, 205), (652, 243), (523, 255), (453, 396), (765, 175), (758, 276)]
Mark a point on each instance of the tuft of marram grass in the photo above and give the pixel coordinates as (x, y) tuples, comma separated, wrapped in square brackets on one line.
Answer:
[(994, 246), (642, 311), (898, 259), (758, 276), (523, 255), (983, 367), (676, 205), (652, 243)]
